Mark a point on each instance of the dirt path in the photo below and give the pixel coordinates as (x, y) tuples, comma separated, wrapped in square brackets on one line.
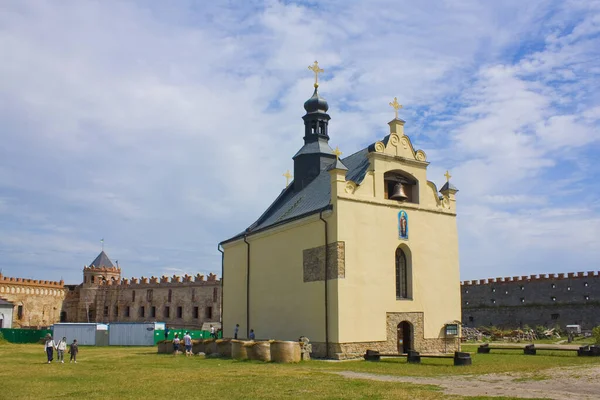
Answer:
[(574, 383)]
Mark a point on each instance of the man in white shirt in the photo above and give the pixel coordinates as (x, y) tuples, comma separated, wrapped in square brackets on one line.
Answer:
[(212, 332), (187, 341)]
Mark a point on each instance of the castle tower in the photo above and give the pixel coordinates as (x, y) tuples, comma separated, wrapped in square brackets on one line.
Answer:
[(101, 269)]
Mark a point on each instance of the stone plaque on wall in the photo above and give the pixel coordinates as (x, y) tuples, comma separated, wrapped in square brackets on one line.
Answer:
[(314, 262)]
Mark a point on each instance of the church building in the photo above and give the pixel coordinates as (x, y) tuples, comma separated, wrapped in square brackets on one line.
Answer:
[(355, 253)]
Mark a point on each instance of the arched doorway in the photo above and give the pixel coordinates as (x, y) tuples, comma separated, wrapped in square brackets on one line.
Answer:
[(405, 337)]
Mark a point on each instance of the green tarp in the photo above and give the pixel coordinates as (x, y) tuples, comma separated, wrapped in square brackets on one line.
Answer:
[(160, 335), (24, 335)]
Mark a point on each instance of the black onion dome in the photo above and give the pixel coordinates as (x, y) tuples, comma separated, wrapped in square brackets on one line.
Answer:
[(316, 103)]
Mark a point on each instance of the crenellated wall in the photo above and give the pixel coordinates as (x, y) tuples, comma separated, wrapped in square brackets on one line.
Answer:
[(186, 301), (36, 302), (544, 299)]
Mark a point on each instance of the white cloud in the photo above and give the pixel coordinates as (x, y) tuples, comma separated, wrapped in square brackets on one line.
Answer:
[(165, 127)]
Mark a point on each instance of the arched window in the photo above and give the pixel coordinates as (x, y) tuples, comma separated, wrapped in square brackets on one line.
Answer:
[(402, 275)]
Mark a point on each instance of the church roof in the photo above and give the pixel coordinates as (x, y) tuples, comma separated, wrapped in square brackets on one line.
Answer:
[(313, 198), (448, 186), (102, 261)]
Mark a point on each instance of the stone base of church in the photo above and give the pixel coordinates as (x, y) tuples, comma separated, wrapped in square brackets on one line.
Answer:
[(421, 344)]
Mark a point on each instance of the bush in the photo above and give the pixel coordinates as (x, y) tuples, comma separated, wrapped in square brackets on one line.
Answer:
[(596, 334)]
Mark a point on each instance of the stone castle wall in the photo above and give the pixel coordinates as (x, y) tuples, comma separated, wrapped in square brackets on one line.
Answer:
[(563, 299), (179, 301), (36, 302)]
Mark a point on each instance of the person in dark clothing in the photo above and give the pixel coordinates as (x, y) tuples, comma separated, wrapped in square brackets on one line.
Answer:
[(166, 332), (73, 350)]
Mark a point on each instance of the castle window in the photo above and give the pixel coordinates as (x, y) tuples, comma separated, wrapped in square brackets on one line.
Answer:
[(196, 312), (215, 295), (152, 312), (400, 186), (142, 312), (471, 319), (167, 312), (466, 302), (467, 291), (116, 311), (586, 297), (127, 311), (569, 288), (522, 287), (92, 278), (133, 295), (522, 299), (170, 296), (149, 295), (403, 289), (179, 312), (506, 292), (553, 286), (209, 314), (106, 311), (585, 284), (493, 301), (20, 312), (493, 290), (193, 295), (554, 316), (553, 298)]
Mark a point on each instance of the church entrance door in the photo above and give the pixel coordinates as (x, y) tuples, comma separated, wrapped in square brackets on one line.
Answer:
[(405, 337)]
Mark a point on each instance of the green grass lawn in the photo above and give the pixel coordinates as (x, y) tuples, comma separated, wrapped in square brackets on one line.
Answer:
[(138, 372)]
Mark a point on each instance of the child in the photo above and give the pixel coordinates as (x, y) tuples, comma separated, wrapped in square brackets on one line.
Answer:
[(176, 342), (73, 350), (60, 349), (49, 348)]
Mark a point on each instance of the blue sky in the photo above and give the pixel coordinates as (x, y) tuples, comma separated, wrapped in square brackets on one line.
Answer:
[(165, 127)]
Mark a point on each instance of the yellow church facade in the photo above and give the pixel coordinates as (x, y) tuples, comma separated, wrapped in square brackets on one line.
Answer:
[(356, 253)]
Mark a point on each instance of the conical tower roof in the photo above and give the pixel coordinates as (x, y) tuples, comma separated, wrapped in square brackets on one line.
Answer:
[(102, 261)]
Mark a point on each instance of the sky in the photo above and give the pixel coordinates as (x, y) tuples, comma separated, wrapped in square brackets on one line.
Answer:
[(165, 127)]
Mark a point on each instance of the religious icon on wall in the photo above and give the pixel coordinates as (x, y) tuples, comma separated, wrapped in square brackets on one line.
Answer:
[(402, 225)]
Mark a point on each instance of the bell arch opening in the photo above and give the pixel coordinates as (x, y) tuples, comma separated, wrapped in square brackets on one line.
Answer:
[(401, 186)]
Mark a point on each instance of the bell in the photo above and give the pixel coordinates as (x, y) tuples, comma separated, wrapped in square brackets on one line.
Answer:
[(399, 193)]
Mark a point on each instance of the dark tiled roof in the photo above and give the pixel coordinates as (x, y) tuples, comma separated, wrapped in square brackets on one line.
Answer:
[(5, 303), (102, 261), (319, 146), (448, 186), (313, 198)]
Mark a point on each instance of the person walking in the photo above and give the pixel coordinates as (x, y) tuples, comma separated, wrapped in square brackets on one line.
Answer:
[(60, 349), (252, 335), (73, 350), (166, 332), (187, 341), (235, 332), (212, 332), (49, 346), (176, 342)]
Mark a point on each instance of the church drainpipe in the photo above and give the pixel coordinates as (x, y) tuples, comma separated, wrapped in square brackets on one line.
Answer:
[(247, 288), (326, 289), (220, 248)]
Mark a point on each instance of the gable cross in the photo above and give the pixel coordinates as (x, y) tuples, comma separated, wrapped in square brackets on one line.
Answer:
[(448, 176), (396, 106), (337, 153), (287, 176), (315, 68)]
